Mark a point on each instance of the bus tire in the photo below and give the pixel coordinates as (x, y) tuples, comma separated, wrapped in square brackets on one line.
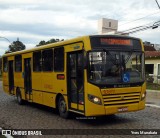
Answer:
[(62, 108), (19, 97)]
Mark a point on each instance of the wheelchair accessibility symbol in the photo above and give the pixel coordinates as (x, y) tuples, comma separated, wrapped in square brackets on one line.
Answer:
[(126, 77)]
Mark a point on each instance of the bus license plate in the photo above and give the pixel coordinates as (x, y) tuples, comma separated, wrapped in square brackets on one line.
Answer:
[(123, 109)]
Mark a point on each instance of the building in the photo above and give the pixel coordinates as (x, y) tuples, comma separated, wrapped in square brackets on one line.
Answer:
[(152, 63), (107, 26)]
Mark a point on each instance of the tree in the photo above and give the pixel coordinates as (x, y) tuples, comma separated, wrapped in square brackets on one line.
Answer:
[(41, 43), (16, 46)]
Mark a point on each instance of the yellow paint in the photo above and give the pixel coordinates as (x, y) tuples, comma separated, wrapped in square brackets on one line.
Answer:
[(81, 107), (37, 97), (74, 105), (46, 86), (48, 99)]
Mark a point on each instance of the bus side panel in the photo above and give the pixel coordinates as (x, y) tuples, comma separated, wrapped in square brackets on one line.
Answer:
[(48, 99), (37, 96), (92, 109), (5, 82), (18, 81), (37, 81), (51, 86), (23, 93)]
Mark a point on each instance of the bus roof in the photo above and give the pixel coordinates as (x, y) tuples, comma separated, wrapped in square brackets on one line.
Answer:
[(61, 43), (65, 42)]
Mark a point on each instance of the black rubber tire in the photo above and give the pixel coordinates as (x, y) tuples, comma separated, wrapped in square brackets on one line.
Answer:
[(62, 108), (19, 97)]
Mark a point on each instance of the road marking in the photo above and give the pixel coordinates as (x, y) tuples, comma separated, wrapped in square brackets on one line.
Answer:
[(152, 105)]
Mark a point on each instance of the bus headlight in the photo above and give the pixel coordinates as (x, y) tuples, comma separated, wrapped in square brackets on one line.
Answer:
[(143, 96), (94, 99)]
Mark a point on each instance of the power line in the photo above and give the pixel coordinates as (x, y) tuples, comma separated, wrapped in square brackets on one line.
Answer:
[(140, 28), (5, 39), (157, 4), (135, 20), (139, 18)]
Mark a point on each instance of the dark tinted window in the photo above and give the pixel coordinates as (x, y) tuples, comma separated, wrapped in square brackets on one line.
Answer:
[(37, 61), (47, 60), (18, 63), (59, 59), (5, 64)]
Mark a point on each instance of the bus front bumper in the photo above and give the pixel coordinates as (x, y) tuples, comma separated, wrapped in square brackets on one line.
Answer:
[(110, 110), (124, 108)]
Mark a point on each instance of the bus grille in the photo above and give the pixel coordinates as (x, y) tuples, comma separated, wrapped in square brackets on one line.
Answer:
[(121, 98)]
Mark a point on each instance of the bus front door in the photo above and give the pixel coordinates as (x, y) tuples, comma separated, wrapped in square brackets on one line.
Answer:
[(11, 77), (75, 81), (27, 79)]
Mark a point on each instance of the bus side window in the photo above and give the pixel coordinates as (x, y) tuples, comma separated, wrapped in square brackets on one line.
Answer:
[(37, 61), (5, 64), (47, 60), (59, 59), (18, 63)]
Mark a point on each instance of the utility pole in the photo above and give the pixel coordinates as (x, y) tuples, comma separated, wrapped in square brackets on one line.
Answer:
[(157, 4)]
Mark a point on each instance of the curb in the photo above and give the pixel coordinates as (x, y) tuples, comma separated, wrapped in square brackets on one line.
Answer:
[(148, 90), (152, 105)]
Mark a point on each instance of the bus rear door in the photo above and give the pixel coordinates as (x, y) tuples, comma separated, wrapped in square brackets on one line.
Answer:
[(11, 77), (27, 79)]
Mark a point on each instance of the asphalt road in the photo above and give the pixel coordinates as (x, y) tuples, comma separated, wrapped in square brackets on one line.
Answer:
[(33, 116)]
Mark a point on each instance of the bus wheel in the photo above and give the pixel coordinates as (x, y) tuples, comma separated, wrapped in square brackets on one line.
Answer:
[(62, 108), (19, 97)]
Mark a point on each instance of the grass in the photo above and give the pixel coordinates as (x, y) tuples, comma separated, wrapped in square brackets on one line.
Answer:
[(153, 86)]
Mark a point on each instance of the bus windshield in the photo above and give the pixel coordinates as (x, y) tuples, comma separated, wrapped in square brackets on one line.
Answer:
[(116, 67)]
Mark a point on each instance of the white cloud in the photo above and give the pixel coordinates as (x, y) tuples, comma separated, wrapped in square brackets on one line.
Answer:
[(36, 20), (3, 46)]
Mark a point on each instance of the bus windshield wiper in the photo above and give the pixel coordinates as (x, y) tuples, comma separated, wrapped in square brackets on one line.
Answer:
[(110, 56)]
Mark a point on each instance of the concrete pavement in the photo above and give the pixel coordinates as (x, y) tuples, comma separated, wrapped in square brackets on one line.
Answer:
[(153, 98)]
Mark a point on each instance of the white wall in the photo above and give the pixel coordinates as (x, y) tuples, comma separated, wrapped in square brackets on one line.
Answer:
[(155, 70)]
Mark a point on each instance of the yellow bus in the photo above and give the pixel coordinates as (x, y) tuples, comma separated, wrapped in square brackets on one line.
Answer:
[(90, 75)]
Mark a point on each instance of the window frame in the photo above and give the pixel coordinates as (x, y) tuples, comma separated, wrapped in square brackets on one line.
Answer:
[(49, 58), (35, 61), (58, 60), (5, 58), (18, 68)]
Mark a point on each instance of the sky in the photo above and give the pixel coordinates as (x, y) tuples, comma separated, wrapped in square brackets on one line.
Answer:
[(34, 20)]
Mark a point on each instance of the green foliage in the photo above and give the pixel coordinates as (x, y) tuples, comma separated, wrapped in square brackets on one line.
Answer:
[(16, 46), (41, 43), (153, 86)]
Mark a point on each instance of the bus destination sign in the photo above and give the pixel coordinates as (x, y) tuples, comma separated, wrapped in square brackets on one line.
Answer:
[(115, 41)]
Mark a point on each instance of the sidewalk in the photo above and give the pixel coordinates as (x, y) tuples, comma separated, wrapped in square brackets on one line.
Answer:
[(153, 97)]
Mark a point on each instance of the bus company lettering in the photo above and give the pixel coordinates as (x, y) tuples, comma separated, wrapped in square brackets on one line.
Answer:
[(108, 91), (48, 86)]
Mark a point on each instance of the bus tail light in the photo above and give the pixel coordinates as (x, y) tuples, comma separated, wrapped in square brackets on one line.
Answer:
[(60, 76), (94, 99)]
